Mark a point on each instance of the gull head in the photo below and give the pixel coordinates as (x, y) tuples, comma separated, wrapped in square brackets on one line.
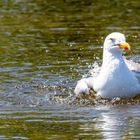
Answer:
[(116, 42)]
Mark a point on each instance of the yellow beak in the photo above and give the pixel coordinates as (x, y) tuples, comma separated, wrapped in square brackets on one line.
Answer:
[(125, 46)]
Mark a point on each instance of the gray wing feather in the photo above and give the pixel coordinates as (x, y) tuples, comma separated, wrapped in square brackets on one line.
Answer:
[(134, 67)]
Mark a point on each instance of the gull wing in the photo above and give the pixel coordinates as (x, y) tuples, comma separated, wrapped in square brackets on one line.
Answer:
[(134, 67)]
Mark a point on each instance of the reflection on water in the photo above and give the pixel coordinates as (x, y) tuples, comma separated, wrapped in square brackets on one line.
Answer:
[(72, 122), (118, 122), (46, 46)]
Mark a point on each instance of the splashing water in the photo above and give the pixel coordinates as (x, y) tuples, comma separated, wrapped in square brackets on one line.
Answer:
[(40, 93), (65, 95)]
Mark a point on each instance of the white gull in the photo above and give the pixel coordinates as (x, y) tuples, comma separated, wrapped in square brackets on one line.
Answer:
[(118, 77)]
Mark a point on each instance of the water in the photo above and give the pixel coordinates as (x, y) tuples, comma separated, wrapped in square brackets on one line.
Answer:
[(45, 47)]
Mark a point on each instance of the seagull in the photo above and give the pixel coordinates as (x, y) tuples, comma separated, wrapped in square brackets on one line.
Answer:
[(118, 77)]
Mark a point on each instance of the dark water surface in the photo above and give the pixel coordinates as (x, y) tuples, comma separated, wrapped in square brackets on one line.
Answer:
[(45, 47)]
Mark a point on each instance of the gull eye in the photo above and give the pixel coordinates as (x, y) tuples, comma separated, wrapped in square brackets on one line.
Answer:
[(112, 39)]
